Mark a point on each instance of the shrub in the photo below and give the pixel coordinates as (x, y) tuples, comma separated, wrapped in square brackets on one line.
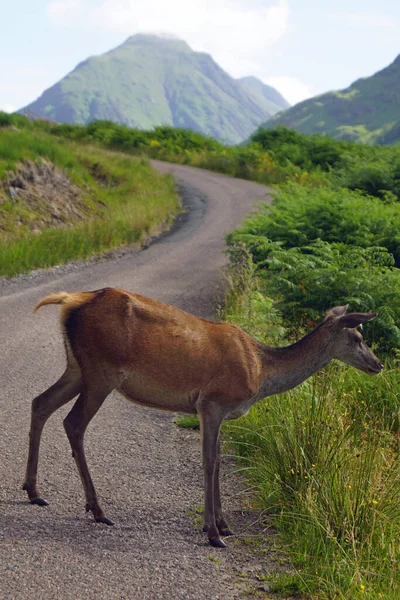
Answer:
[(307, 152), (315, 248), (301, 214), (5, 119)]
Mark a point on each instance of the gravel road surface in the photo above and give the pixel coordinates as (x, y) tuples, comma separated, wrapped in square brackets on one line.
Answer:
[(147, 471)]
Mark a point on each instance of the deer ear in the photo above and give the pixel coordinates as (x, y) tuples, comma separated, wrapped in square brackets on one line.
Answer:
[(338, 311), (353, 320)]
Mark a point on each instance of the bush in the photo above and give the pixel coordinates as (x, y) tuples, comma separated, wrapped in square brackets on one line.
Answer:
[(307, 152), (374, 178), (301, 214), (5, 119), (315, 248)]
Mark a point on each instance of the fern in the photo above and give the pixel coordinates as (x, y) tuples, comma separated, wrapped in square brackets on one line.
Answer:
[(308, 269)]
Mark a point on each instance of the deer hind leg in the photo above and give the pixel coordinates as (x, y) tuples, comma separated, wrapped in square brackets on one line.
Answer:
[(210, 423), (75, 423), (43, 406), (219, 517)]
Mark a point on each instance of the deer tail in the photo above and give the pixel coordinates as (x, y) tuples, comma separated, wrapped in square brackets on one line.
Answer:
[(64, 298)]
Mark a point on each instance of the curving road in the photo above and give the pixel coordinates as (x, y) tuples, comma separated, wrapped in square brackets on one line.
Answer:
[(147, 471)]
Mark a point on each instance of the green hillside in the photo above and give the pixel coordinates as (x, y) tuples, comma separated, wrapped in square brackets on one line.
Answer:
[(151, 80), (367, 111), (63, 200)]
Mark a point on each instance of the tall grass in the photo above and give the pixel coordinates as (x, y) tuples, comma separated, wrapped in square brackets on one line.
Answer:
[(57, 246), (24, 144), (324, 462)]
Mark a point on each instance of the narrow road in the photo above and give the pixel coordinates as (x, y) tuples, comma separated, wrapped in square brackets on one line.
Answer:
[(147, 471)]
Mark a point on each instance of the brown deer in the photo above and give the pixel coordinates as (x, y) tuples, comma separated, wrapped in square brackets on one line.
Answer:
[(162, 357)]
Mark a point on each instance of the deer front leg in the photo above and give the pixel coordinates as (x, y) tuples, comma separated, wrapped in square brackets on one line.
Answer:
[(43, 406), (219, 517), (210, 424)]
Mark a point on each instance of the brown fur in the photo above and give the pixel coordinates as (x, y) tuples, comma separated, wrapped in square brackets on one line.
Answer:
[(162, 357)]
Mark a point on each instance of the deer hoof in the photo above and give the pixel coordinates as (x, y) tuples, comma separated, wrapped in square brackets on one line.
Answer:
[(225, 531), (98, 514), (34, 498), (103, 520), (39, 501), (217, 542)]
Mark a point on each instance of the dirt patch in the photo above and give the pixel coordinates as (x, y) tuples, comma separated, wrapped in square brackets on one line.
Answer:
[(39, 194)]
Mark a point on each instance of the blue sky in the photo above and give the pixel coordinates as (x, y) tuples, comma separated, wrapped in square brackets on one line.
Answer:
[(302, 47)]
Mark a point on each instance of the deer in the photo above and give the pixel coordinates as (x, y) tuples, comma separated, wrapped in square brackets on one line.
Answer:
[(160, 356)]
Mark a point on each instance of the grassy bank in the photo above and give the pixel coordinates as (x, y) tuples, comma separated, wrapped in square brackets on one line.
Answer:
[(323, 461), (116, 199), (324, 458)]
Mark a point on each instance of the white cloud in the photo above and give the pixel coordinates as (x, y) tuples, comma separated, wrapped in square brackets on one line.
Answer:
[(364, 20), (8, 108), (292, 89), (65, 11), (235, 32)]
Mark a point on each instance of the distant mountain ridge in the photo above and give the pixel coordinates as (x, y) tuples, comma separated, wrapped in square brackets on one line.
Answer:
[(367, 111), (156, 80), (273, 100)]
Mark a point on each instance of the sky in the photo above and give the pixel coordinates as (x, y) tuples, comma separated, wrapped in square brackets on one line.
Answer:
[(301, 47)]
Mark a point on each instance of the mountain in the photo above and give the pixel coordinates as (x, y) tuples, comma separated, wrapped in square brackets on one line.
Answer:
[(271, 99), (151, 80), (367, 111)]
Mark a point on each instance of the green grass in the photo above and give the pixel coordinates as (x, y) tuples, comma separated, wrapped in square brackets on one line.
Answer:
[(125, 200), (188, 422), (330, 475), (324, 462), (214, 559)]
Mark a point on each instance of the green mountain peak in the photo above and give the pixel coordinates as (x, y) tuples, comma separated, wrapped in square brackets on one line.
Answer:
[(166, 40), (157, 79)]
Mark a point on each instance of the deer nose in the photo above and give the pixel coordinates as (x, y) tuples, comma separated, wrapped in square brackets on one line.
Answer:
[(381, 366)]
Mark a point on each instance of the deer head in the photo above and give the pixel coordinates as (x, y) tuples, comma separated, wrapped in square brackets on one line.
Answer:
[(349, 346)]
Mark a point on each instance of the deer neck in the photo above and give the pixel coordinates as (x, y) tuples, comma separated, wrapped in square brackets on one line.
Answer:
[(287, 367)]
